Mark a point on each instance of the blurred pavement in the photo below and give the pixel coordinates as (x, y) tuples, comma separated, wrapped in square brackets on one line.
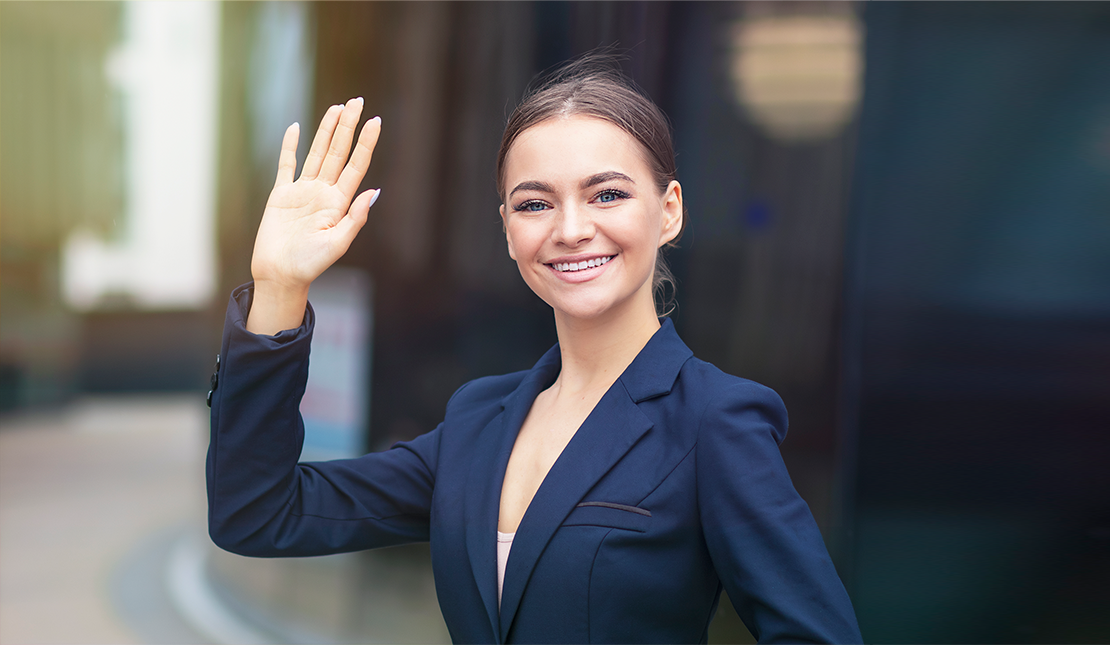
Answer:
[(103, 540), (90, 497)]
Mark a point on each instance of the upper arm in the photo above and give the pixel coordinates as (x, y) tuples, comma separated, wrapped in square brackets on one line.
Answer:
[(763, 540), (316, 508), (379, 499)]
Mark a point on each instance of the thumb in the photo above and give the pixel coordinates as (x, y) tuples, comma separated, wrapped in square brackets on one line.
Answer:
[(350, 225)]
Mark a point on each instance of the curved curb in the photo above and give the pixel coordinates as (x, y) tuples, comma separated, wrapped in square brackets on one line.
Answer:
[(197, 602)]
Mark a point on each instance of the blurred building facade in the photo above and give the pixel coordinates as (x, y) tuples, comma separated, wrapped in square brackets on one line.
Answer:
[(977, 323), (898, 220)]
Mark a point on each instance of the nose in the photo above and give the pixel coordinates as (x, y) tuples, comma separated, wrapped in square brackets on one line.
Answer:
[(573, 226)]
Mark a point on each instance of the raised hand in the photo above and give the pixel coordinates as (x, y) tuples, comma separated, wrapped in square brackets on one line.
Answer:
[(310, 223)]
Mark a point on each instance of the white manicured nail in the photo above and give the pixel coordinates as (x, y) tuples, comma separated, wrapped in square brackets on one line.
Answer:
[(373, 199)]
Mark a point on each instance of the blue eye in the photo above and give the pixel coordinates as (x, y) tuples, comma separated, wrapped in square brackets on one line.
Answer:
[(611, 195), (532, 206)]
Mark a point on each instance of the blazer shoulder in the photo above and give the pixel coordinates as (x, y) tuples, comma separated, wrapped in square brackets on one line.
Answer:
[(734, 396), (484, 392), (716, 382)]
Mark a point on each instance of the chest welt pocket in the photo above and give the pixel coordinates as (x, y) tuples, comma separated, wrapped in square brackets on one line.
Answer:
[(609, 515)]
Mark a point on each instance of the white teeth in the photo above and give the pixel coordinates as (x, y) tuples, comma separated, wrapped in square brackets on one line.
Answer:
[(584, 264)]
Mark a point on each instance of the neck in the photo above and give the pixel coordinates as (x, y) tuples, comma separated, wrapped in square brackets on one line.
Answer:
[(597, 350)]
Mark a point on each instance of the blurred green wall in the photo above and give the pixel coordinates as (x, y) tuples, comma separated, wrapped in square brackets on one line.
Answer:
[(60, 166)]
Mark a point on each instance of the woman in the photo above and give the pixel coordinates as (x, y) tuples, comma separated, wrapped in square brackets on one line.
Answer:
[(605, 495)]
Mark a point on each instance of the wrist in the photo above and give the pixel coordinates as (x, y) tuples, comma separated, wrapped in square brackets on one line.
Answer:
[(276, 307), (273, 289)]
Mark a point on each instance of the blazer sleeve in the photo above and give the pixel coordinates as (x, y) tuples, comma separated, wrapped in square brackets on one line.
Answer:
[(762, 538), (261, 502)]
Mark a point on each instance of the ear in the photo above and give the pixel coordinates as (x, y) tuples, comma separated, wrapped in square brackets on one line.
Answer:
[(505, 227), (672, 213)]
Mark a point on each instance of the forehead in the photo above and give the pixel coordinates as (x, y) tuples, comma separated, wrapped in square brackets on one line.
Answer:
[(573, 147)]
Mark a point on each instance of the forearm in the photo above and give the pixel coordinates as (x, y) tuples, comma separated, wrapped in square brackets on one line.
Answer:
[(256, 426)]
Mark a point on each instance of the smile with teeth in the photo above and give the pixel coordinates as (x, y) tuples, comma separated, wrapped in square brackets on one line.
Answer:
[(578, 266)]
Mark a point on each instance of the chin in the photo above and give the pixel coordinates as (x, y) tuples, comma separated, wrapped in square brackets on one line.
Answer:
[(581, 312), (582, 302), (584, 308)]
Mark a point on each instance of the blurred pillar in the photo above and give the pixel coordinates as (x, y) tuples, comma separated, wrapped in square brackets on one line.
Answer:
[(795, 70)]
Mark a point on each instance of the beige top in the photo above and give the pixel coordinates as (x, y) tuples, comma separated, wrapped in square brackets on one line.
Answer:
[(504, 544)]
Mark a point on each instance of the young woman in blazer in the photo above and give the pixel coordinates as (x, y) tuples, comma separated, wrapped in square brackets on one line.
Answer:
[(605, 495)]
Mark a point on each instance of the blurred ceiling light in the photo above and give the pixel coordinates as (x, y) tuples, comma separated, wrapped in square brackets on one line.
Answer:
[(798, 77)]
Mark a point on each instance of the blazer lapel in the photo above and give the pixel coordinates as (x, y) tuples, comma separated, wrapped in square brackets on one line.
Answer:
[(613, 427), (487, 474)]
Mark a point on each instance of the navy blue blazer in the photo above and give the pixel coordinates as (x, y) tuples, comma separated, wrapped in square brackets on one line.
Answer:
[(672, 488)]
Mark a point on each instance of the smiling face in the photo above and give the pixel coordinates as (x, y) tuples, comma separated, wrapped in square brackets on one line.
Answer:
[(584, 217)]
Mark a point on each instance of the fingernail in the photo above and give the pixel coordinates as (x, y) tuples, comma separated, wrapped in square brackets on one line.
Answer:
[(359, 99), (377, 193), (378, 119)]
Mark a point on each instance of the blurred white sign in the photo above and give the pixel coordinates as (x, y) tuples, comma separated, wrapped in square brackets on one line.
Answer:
[(335, 406)]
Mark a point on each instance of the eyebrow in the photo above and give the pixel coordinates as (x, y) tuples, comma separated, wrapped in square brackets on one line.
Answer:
[(532, 185), (592, 180), (603, 177)]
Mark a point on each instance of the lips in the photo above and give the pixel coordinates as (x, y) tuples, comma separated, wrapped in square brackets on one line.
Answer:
[(571, 267)]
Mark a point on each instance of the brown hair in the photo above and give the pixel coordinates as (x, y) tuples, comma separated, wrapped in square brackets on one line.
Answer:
[(594, 86)]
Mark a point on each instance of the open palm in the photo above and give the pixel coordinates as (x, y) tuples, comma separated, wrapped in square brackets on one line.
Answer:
[(309, 223)]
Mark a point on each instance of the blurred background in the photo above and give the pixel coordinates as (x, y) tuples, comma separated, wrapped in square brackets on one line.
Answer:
[(899, 219)]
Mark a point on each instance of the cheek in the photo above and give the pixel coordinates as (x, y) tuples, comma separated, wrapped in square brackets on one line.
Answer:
[(522, 241), (646, 237)]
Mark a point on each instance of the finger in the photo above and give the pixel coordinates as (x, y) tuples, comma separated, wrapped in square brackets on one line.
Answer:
[(350, 225), (320, 143), (287, 161), (356, 168), (341, 141)]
